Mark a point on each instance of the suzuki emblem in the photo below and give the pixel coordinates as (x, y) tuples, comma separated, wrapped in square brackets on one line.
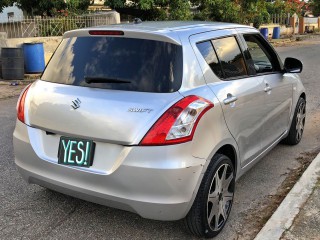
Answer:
[(76, 104)]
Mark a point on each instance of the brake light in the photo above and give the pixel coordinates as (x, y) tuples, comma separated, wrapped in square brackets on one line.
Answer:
[(21, 104), (178, 123), (106, 32)]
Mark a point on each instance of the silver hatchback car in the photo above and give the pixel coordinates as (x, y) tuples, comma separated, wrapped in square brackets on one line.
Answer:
[(158, 118)]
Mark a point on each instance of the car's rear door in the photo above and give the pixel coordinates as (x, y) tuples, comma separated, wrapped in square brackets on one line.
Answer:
[(120, 86), (277, 87), (102, 92), (241, 96)]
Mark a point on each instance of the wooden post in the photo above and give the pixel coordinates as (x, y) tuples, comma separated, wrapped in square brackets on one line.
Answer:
[(301, 25), (292, 22)]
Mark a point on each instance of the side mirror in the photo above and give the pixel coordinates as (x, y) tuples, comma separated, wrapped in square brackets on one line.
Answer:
[(293, 65)]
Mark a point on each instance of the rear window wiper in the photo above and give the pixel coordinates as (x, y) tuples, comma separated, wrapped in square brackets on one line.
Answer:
[(104, 80)]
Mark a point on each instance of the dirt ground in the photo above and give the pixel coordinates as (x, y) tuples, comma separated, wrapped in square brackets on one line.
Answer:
[(256, 218), (7, 91)]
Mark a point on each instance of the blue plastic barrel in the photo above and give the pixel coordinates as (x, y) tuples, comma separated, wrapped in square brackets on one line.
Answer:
[(264, 32), (276, 33), (33, 57)]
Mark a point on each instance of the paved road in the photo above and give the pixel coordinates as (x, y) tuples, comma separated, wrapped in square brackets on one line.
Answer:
[(32, 212)]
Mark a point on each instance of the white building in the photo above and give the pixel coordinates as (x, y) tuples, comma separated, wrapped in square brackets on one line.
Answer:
[(98, 5), (10, 14)]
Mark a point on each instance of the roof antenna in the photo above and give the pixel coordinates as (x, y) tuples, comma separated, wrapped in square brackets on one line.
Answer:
[(137, 21)]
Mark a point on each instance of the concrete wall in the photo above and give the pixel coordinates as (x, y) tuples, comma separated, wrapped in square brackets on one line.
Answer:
[(284, 30), (3, 40), (298, 25), (287, 31), (312, 23), (49, 44)]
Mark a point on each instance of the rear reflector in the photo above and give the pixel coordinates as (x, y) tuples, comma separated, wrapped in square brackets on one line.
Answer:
[(21, 103), (106, 32), (178, 123)]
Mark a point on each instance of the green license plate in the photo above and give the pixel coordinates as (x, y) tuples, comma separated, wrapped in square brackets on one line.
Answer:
[(76, 152)]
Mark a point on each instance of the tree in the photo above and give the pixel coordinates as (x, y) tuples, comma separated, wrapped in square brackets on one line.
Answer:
[(255, 12), (5, 3), (238, 11), (289, 6), (315, 7), (77, 6), (40, 7), (153, 9), (47, 8), (217, 10), (179, 10)]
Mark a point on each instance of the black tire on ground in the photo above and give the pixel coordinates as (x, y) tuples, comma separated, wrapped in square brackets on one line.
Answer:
[(212, 205), (297, 124)]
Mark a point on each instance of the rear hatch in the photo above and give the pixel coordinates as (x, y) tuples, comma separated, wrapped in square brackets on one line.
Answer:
[(106, 88), (103, 115)]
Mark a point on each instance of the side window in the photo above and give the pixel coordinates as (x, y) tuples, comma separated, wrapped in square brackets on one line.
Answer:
[(258, 56), (208, 53), (230, 56)]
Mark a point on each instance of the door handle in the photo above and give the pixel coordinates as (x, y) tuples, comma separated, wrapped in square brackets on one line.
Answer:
[(230, 99), (267, 88)]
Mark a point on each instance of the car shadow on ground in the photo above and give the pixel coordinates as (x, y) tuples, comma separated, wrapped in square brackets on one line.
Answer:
[(94, 220)]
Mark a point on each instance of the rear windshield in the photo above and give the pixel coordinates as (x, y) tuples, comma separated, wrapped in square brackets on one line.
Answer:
[(117, 63)]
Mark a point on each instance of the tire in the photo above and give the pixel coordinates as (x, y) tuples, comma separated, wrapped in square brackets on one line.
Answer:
[(212, 199), (297, 124)]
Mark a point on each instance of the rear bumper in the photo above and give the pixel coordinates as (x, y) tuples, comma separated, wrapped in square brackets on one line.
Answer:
[(155, 182)]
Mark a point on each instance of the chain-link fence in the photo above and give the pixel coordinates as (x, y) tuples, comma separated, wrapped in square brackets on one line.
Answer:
[(46, 27)]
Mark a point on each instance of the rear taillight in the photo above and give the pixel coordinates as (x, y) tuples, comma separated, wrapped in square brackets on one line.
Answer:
[(21, 103), (106, 32), (178, 123)]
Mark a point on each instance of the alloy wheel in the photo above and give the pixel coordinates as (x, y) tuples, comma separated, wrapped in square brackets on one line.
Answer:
[(220, 197), (301, 116)]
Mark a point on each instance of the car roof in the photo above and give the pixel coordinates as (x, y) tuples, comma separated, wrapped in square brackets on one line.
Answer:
[(171, 25), (162, 29)]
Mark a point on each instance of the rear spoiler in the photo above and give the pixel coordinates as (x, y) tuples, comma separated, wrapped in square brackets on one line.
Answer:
[(169, 36)]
